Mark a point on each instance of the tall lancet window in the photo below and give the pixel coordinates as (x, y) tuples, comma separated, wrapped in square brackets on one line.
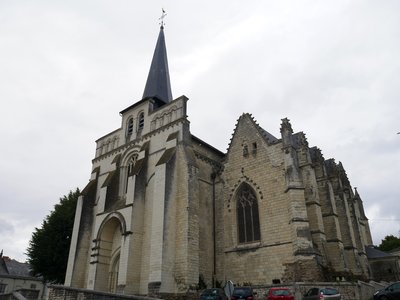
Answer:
[(141, 122), (129, 128), (247, 215), (129, 171)]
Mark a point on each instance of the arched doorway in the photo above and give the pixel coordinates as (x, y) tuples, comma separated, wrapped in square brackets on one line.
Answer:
[(109, 243)]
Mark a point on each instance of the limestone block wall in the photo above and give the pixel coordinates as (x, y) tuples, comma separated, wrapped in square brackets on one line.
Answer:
[(79, 255), (334, 248), (261, 166), (347, 233), (145, 249), (169, 233), (257, 264), (182, 219), (313, 204), (206, 240), (133, 259), (208, 162), (153, 120), (112, 190), (346, 227), (159, 187), (57, 292), (109, 142), (220, 229), (192, 255)]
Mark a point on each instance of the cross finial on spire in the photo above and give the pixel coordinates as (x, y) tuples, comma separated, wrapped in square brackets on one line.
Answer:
[(163, 14)]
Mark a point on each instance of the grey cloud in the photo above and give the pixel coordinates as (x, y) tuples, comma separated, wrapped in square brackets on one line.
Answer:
[(69, 68)]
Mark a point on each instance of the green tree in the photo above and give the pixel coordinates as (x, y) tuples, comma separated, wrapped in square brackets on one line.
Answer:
[(389, 242), (49, 245)]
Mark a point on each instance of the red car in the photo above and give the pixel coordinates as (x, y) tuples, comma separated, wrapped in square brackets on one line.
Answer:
[(280, 293)]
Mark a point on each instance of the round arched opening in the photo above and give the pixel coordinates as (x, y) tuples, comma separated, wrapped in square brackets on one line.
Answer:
[(109, 243)]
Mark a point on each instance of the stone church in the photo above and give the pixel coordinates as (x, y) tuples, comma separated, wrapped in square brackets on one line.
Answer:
[(164, 210)]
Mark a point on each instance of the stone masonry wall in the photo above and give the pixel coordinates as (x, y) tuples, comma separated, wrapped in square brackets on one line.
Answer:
[(253, 161), (67, 293), (349, 291)]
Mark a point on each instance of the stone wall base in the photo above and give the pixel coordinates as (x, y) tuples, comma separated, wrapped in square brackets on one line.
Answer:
[(349, 291)]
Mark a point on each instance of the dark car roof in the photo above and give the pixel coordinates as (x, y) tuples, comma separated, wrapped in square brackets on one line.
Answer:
[(243, 290), (212, 290)]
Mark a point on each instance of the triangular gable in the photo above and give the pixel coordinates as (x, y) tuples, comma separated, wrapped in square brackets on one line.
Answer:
[(266, 136)]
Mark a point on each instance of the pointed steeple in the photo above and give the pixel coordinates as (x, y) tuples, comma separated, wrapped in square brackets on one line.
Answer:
[(158, 84)]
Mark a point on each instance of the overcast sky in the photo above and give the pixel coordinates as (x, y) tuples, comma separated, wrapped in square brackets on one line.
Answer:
[(67, 68)]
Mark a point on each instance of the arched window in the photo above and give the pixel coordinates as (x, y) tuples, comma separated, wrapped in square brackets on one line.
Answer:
[(113, 274), (141, 121), (129, 171), (247, 215), (129, 128)]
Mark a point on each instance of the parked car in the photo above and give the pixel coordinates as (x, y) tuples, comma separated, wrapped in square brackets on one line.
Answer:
[(327, 293), (391, 292), (280, 293), (243, 292), (213, 294)]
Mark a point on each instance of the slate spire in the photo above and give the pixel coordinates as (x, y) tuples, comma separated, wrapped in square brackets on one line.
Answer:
[(158, 84)]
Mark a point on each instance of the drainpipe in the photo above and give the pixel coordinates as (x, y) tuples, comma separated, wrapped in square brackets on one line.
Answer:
[(213, 176)]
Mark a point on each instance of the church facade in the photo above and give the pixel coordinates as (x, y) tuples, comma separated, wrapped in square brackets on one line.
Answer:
[(164, 210)]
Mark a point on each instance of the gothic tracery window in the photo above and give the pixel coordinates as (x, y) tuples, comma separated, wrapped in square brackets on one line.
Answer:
[(247, 215)]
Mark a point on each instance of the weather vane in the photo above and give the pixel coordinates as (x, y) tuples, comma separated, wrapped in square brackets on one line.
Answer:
[(162, 17)]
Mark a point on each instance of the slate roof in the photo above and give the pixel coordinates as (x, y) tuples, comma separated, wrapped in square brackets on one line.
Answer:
[(158, 83), (269, 137), (14, 268), (373, 252)]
